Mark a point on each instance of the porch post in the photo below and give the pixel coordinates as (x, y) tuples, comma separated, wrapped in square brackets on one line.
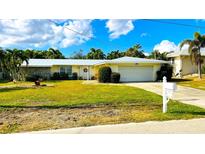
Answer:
[(87, 72)]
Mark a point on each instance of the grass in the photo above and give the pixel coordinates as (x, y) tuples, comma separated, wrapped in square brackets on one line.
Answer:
[(193, 82), (70, 104)]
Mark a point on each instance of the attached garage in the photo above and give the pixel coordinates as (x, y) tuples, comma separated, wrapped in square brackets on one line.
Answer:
[(133, 69), (136, 73)]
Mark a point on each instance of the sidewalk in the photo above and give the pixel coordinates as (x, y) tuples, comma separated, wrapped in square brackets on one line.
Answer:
[(194, 126)]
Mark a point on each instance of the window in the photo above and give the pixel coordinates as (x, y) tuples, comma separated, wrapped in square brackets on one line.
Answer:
[(66, 69), (62, 69), (69, 70)]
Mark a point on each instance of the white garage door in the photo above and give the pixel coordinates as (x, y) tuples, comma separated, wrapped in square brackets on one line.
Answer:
[(136, 74)]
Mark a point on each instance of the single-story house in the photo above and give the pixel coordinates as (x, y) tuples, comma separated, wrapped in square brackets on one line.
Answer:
[(182, 63), (130, 68)]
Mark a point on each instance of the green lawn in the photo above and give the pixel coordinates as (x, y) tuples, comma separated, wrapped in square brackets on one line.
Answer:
[(64, 104), (193, 82)]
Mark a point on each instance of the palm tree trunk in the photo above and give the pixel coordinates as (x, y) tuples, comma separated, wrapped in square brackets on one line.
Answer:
[(199, 68)]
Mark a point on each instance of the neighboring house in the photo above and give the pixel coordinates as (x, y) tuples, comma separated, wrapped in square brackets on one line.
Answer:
[(130, 68), (182, 63)]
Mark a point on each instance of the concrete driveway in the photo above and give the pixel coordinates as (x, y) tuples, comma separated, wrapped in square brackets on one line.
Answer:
[(183, 94)]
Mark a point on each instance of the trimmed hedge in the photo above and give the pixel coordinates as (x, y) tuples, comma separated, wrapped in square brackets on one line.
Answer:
[(104, 74), (165, 70), (59, 76), (115, 77)]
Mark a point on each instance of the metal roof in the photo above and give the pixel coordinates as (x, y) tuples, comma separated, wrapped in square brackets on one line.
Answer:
[(51, 62), (183, 52), (87, 62), (136, 60)]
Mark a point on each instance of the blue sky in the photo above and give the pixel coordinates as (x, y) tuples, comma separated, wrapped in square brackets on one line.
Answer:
[(107, 35)]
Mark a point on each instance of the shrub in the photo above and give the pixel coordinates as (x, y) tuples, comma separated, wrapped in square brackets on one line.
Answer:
[(59, 76), (104, 74), (75, 76), (93, 78), (165, 70), (55, 76), (64, 76), (203, 69), (32, 78), (115, 77), (80, 78)]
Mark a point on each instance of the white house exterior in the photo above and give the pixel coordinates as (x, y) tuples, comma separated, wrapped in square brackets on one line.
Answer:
[(130, 68), (182, 64)]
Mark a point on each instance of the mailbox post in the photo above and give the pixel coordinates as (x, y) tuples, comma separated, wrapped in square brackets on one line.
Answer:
[(167, 91), (164, 108)]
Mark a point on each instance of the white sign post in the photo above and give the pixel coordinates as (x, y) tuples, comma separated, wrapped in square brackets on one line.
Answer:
[(167, 91)]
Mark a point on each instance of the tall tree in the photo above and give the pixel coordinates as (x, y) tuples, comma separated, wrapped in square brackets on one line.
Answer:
[(115, 54), (2, 57), (53, 54), (44, 54), (95, 54), (194, 49), (157, 55), (13, 60), (78, 55), (135, 51)]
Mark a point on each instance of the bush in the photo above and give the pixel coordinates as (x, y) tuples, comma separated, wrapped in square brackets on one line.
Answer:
[(32, 78), (93, 78), (80, 78), (165, 70), (75, 76), (55, 76), (115, 77), (59, 76), (104, 74)]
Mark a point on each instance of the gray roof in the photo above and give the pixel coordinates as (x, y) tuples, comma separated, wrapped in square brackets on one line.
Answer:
[(87, 62), (136, 60), (51, 62), (183, 52)]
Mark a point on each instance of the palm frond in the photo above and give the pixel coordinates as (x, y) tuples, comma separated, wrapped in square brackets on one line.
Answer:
[(197, 36), (185, 42)]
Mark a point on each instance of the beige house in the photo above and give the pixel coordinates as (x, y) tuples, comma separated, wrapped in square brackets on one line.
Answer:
[(182, 64), (130, 68)]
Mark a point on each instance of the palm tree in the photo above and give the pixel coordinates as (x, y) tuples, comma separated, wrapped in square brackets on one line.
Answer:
[(13, 60), (194, 49), (2, 57), (95, 54), (157, 55), (135, 51), (114, 54)]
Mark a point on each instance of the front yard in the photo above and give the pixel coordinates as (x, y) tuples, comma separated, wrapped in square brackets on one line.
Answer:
[(63, 104), (192, 81)]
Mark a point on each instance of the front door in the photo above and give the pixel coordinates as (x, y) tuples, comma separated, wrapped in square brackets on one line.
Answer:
[(85, 72)]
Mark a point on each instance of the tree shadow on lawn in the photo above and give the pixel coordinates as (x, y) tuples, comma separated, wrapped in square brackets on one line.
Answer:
[(188, 112), (180, 80), (4, 81), (79, 106), (8, 89)]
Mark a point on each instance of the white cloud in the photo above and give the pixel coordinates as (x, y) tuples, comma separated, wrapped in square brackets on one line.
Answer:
[(118, 27), (144, 35), (39, 33), (165, 46), (81, 26)]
